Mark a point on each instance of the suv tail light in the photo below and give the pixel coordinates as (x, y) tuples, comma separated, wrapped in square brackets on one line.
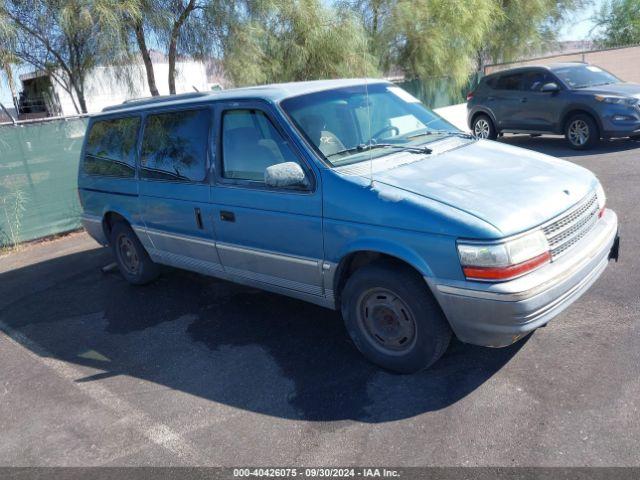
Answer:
[(469, 96)]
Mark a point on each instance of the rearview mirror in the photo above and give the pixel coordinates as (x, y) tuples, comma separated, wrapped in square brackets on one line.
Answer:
[(550, 87), (283, 175)]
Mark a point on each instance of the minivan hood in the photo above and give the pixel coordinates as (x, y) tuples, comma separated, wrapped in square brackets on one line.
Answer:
[(623, 89), (511, 188)]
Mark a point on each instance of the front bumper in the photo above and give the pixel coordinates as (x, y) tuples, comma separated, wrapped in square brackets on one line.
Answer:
[(499, 314), (612, 128)]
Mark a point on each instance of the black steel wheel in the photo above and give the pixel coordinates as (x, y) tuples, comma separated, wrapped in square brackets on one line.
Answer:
[(393, 318), (133, 261)]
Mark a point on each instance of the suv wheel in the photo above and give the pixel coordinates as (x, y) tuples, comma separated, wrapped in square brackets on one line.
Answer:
[(582, 132), (133, 260), (483, 127), (393, 318)]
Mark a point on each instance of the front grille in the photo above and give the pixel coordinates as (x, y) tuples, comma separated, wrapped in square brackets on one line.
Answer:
[(572, 226)]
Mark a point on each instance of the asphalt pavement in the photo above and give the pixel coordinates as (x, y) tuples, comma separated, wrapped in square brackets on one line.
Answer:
[(195, 371)]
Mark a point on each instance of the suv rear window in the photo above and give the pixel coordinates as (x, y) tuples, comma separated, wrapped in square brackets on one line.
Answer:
[(111, 147), (509, 81), (174, 146), (490, 81)]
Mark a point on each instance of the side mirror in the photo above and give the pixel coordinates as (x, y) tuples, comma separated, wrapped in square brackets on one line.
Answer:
[(284, 175), (550, 87)]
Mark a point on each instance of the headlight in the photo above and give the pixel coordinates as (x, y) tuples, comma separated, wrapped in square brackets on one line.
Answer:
[(616, 100), (602, 199), (504, 260)]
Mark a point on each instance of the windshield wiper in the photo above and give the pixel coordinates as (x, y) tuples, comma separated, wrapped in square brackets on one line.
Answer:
[(363, 147), (441, 132)]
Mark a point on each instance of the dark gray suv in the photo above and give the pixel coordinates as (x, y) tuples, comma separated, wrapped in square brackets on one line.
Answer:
[(581, 101)]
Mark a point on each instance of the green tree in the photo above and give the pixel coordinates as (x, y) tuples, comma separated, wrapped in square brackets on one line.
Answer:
[(432, 38), (293, 40), (181, 25), (619, 21), (66, 39), (523, 28), (136, 21), (8, 58)]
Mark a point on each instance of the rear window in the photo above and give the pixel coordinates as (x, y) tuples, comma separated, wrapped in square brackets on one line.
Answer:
[(111, 147), (174, 146), (490, 81), (509, 81)]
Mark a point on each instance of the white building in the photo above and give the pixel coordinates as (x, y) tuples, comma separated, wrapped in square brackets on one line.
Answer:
[(108, 85)]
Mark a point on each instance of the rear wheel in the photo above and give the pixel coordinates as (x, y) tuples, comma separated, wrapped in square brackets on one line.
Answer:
[(483, 127), (582, 132), (393, 318), (133, 261)]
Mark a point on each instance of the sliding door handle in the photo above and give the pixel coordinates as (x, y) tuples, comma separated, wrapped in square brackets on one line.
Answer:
[(227, 216)]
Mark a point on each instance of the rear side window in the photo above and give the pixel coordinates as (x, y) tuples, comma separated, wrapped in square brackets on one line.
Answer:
[(174, 146), (111, 147), (250, 144), (489, 82), (509, 81)]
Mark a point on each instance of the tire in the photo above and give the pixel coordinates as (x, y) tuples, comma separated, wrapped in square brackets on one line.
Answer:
[(581, 132), (393, 318), (483, 127), (133, 261)]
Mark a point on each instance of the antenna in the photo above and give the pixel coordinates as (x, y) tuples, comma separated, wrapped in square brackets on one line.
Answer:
[(365, 47)]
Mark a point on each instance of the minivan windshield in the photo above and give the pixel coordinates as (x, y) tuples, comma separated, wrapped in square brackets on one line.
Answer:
[(342, 124), (583, 76)]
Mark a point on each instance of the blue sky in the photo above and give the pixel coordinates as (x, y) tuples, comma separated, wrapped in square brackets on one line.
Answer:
[(577, 29)]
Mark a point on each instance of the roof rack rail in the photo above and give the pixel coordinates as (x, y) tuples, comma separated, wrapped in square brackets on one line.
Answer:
[(153, 100)]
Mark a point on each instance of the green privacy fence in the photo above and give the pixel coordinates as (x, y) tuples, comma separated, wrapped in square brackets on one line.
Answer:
[(38, 170)]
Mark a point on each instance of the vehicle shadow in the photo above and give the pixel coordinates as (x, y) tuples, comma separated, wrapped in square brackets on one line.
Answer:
[(557, 146), (223, 342)]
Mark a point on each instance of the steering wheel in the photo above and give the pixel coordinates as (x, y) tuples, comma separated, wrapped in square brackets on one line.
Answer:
[(388, 128)]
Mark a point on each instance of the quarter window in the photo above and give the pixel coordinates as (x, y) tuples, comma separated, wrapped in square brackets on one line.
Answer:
[(174, 146), (250, 144), (111, 147)]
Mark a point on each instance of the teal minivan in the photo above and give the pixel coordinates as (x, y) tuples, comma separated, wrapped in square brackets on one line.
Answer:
[(352, 195)]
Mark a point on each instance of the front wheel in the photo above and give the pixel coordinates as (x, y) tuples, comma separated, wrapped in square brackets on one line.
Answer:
[(483, 127), (393, 318), (582, 132)]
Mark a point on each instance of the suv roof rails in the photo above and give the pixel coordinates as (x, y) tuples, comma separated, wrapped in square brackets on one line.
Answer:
[(135, 102)]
